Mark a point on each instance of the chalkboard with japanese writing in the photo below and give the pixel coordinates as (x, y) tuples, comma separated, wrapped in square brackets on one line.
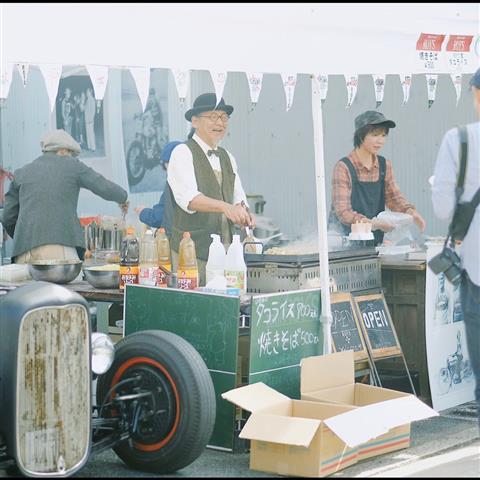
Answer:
[(345, 331), (284, 328), (209, 322), (377, 326)]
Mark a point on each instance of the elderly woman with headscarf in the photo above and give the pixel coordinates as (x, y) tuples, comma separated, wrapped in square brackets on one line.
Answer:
[(40, 211)]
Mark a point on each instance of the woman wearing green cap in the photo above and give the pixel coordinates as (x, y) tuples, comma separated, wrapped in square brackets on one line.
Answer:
[(363, 181)]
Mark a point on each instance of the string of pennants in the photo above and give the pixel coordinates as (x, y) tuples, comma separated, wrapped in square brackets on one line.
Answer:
[(461, 55)]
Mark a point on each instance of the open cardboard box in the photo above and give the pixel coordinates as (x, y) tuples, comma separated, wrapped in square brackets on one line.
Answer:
[(381, 417), (290, 437)]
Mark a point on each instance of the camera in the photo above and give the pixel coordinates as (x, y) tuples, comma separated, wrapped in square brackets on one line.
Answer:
[(448, 262)]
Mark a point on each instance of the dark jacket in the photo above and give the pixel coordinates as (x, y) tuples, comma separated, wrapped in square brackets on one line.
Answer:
[(41, 203)]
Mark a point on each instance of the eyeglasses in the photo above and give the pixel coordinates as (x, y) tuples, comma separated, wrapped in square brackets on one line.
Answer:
[(213, 117)]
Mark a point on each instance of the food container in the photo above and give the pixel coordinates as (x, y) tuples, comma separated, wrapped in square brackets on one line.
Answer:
[(56, 271), (103, 276)]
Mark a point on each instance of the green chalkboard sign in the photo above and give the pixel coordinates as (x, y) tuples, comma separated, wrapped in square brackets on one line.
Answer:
[(377, 326), (345, 330), (209, 322), (284, 328)]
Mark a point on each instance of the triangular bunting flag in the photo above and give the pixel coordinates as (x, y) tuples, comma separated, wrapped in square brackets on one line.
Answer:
[(141, 76)]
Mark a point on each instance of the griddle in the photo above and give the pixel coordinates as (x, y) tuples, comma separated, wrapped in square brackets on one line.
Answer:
[(253, 259)]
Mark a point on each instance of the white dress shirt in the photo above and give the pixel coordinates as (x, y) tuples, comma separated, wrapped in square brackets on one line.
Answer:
[(181, 174), (443, 191)]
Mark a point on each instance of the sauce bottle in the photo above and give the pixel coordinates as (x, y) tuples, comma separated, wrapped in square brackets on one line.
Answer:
[(148, 264), (235, 267), (163, 249), (129, 258), (187, 273)]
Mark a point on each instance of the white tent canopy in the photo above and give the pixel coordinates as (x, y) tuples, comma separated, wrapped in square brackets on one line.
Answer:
[(311, 38), (301, 38)]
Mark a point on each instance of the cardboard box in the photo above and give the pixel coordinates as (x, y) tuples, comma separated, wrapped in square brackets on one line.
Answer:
[(289, 437), (383, 416)]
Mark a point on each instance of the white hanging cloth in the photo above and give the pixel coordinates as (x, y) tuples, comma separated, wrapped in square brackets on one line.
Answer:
[(352, 86), (6, 74), (289, 83), (51, 74), (219, 80), (141, 76), (23, 68), (406, 80), (182, 82), (255, 85), (379, 84)]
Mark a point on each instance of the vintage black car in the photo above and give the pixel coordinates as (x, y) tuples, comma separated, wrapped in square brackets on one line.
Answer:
[(155, 400)]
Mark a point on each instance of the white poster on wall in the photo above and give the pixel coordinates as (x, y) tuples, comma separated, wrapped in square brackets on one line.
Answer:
[(429, 51), (449, 369)]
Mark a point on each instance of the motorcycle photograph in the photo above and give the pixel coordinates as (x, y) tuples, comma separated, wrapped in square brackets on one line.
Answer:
[(144, 151)]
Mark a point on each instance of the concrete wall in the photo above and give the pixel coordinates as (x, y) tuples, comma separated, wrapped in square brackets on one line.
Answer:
[(274, 148)]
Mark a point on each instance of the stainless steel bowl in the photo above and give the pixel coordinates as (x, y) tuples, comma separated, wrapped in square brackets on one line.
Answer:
[(102, 278), (54, 272)]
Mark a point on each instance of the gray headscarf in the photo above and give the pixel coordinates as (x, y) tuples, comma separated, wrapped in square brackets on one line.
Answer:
[(57, 139)]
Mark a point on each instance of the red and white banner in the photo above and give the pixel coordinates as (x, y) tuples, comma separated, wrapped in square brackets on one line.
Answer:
[(289, 83), (6, 74), (429, 51), (460, 58), (141, 76), (51, 74), (255, 85)]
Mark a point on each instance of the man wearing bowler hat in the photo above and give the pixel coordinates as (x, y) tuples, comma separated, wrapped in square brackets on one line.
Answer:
[(205, 183), (363, 181)]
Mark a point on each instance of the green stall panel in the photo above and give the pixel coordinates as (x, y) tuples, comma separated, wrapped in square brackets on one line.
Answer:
[(284, 328), (209, 322)]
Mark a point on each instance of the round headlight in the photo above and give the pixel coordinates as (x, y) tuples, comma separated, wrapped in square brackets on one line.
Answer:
[(103, 352)]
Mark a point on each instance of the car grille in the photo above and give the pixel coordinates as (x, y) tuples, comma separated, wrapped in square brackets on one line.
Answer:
[(53, 390)]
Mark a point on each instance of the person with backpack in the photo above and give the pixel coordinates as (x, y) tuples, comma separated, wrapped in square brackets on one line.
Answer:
[(161, 214), (446, 206)]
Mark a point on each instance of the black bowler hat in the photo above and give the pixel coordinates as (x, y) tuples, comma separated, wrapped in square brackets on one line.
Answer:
[(205, 103), (372, 117)]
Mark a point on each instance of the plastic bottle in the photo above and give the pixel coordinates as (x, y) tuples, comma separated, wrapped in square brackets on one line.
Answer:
[(235, 267), (216, 259), (148, 264), (164, 259), (187, 272), (129, 259)]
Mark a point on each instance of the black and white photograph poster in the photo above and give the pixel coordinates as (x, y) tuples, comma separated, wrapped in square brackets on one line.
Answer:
[(146, 132), (77, 112), (449, 368)]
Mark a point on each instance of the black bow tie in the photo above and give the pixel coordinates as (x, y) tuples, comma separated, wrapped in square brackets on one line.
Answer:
[(212, 152)]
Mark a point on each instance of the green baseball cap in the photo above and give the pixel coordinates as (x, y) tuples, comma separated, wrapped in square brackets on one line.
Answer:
[(372, 117)]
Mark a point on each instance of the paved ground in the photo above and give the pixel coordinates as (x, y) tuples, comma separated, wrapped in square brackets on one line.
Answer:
[(443, 446)]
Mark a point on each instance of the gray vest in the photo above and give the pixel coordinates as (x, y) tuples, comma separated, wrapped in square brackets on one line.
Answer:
[(202, 224)]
